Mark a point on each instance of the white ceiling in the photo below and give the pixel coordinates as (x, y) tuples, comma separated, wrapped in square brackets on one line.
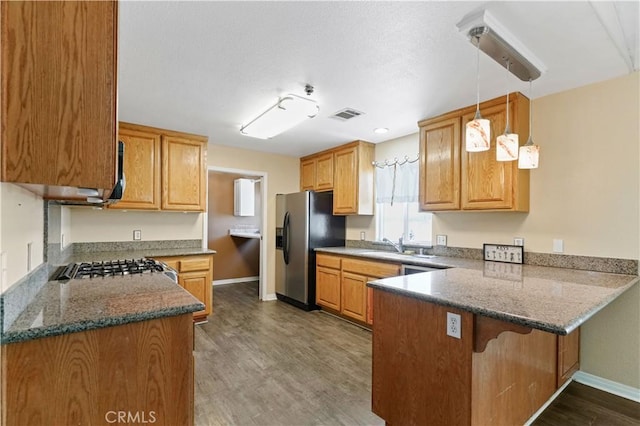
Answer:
[(209, 67)]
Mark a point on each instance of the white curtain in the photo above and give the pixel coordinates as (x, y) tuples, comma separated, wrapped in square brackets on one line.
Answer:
[(397, 183)]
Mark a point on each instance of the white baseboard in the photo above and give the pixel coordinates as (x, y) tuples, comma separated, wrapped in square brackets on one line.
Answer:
[(234, 280), (609, 386), (269, 297), (546, 404)]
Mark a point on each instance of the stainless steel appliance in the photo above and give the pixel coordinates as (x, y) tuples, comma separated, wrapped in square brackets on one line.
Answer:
[(305, 222), (112, 268), (415, 269)]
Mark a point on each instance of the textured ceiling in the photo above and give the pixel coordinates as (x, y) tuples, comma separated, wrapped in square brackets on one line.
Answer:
[(209, 67)]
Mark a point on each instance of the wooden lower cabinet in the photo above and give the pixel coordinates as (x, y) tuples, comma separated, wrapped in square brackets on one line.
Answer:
[(195, 274), (144, 369), (341, 284), (568, 356), (497, 373)]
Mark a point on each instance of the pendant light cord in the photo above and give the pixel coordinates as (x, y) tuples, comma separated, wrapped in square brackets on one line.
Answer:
[(477, 76), (507, 130), (530, 110)]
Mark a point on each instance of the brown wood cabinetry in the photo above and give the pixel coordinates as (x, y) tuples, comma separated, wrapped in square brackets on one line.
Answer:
[(453, 179), (568, 356), (83, 378), (495, 373), (164, 169), (195, 274), (346, 170), (341, 284), (59, 96)]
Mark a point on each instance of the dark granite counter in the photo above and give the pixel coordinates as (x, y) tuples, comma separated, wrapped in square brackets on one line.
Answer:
[(555, 300), (79, 305), (98, 256)]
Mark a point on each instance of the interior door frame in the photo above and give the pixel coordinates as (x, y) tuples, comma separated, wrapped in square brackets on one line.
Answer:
[(264, 229)]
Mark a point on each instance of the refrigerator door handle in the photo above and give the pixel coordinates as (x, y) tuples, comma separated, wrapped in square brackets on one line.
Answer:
[(285, 238)]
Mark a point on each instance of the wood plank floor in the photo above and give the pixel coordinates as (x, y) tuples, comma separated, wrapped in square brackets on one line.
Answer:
[(269, 363), (273, 364)]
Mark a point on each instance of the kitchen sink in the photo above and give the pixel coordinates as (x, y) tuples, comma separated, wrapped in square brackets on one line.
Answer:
[(395, 255)]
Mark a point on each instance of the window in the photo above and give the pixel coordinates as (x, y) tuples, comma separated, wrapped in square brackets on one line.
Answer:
[(403, 219)]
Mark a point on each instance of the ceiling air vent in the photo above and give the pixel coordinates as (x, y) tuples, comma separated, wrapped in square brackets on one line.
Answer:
[(346, 114)]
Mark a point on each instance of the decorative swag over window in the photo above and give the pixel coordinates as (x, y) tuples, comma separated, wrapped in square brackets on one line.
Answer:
[(397, 181)]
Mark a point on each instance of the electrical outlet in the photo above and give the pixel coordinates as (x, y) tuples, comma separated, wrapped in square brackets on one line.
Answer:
[(454, 325), (441, 240), (29, 254), (558, 246), (137, 235), (363, 235), (518, 241)]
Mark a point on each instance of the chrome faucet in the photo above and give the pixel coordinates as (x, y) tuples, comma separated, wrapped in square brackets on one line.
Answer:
[(399, 247)]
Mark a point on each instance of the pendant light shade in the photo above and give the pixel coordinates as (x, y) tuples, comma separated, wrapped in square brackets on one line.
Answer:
[(529, 152), (507, 143), (478, 130)]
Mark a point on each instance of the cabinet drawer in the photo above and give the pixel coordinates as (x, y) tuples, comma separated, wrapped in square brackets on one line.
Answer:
[(328, 261), (371, 269), (194, 264)]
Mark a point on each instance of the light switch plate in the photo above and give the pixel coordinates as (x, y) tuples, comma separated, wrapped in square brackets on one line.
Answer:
[(137, 235), (441, 240)]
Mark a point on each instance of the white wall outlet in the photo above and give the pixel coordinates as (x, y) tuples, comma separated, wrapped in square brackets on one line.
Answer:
[(558, 246), (441, 240), (29, 254), (454, 325), (137, 234), (363, 235), (518, 241)]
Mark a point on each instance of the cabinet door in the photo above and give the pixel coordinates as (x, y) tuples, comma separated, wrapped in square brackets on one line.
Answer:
[(183, 174), (440, 165), (308, 175), (345, 190), (199, 285), (141, 170), (568, 356), (486, 182), (324, 172), (370, 304), (354, 296), (328, 287), (59, 93)]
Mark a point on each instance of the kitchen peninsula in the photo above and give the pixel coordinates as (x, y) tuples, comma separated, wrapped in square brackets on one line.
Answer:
[(507, 361)]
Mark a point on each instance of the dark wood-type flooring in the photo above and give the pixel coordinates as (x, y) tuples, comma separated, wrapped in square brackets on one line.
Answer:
[(271, 364)]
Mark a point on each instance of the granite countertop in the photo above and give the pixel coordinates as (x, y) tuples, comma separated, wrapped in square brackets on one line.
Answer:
[(555, 300), (97, 256), (79, 305)]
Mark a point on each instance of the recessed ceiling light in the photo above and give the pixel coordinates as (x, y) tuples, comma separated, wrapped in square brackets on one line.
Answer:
[(380, 130)]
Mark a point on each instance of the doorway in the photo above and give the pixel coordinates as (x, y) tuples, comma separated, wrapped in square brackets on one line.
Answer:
[(239, 238)]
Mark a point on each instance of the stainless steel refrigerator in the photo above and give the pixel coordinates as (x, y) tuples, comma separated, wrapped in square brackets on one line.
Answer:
[(304, 222)]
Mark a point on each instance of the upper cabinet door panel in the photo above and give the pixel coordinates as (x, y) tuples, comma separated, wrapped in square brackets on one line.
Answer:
[(59, 93), (141, 170), (324, 172), (308, 175), (183, 174), (440, 165), (487, 183), (345, 194)]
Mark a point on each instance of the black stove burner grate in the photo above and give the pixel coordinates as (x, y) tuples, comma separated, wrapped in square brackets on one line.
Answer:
[(110, 268)]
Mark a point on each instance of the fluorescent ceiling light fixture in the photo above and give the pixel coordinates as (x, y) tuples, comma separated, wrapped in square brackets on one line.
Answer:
[(380, 130), (288, 111)]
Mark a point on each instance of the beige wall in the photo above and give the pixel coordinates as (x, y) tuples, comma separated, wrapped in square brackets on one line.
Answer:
[(283, 176), (89, 225), (21, 223)]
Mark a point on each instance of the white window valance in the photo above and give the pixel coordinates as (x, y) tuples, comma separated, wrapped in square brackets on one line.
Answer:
[(397, 182)]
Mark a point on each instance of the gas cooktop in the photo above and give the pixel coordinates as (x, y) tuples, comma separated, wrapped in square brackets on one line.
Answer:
[(111, 268)]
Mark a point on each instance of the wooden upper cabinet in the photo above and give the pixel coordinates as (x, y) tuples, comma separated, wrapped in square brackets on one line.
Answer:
[(164, 169), (59, 94), (141, 169), (324, 172), (440, 165), (453, 179), (316, 172), (353, 179), (183, 174), (308, 174)]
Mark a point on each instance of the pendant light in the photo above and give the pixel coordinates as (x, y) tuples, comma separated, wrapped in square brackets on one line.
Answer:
[(529, 152), (478, 130), (507, 143)]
